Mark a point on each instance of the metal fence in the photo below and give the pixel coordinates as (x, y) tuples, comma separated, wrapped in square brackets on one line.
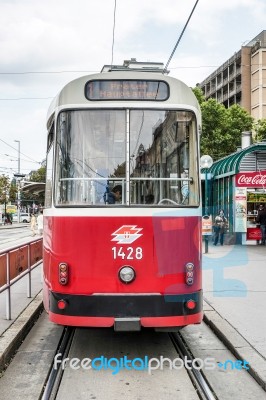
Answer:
[(15, 263)]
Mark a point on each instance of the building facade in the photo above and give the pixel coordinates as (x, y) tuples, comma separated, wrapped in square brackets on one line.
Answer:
[(241, 79)]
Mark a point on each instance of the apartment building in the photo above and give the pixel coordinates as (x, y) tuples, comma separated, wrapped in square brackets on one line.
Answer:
[(241, 79)]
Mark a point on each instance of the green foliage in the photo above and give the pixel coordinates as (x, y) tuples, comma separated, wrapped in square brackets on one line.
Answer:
[(213, 137), (221, 127), (8, 190), (13, 190), (4, 188), (199, 94), (260, 129), (39, 175)]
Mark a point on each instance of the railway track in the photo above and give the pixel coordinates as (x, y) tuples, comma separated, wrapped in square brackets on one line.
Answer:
[(203, 388), (192, 343), (55, 374)]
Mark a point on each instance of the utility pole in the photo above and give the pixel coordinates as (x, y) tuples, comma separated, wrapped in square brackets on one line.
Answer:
[(18, 182)]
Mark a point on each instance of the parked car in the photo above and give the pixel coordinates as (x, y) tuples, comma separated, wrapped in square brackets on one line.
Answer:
[(24, 217)]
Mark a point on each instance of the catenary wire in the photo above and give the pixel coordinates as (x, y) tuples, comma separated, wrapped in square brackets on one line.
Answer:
[(20, 151), (180, 37), (113, 42)]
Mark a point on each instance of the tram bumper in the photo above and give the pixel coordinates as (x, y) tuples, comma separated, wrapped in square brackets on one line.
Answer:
[(127, 312)]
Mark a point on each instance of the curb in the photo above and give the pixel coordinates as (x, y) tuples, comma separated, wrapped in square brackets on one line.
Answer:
[(14, 225), (12, 338), (236, 343)]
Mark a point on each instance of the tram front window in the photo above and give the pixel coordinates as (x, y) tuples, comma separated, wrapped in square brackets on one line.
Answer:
[(163, 154), (150, 154), (90, 155)]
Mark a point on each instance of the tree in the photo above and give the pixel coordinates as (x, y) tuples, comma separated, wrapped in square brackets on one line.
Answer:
[(214, 135), (4, 189), (199, 94), (39, 175), (238, 121), (13, 190), (8, 191), (260, 129), (221, 127)]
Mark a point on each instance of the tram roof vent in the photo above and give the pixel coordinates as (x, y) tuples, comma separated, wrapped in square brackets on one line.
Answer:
[(134, 65)]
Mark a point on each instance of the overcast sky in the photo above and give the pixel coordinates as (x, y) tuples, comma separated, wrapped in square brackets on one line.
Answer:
[(45, 44)]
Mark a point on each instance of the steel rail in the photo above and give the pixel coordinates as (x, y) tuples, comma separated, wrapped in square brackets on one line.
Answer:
[(53, 380), (204, 390)]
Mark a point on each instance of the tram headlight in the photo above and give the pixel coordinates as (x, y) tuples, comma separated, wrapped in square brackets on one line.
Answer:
[(63, 273), (189, 273), (127, 274)]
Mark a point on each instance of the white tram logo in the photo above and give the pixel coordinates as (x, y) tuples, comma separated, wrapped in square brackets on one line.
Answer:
[(127, 234)]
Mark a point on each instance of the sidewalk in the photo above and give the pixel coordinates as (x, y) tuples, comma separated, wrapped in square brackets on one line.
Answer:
[(24, 310), (234, 284)]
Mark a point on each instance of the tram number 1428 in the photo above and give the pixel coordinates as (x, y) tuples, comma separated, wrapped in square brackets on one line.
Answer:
[(129, 253)]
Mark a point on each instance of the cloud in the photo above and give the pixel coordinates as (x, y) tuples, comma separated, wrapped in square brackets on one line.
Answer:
[(62, 35)]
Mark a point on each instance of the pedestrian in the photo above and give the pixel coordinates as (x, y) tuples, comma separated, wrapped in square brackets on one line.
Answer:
[(33, 224), (261, 219), (220, 224), (40, 222)]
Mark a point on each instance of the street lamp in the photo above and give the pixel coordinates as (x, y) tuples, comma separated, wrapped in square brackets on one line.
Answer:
[(18, 179), (206, 162), (6, 193), (18, 183), (18, 141)]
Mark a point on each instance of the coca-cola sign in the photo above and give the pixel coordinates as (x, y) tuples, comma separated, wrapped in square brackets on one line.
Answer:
[(251, 179)]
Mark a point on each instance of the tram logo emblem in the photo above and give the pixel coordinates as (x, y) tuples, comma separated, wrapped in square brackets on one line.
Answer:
[(127, 234)]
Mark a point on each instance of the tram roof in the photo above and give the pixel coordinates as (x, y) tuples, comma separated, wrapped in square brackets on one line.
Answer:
[(231, 165), (71, 94)]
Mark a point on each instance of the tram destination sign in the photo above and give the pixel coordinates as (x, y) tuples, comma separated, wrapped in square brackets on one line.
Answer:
[(121, 89)]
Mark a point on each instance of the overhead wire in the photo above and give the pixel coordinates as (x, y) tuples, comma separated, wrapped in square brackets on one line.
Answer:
[(113, 42), (95, 71), (180, 37), (20, 152)]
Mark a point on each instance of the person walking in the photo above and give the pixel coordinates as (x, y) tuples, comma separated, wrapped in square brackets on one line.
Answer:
[(220, 223), (40, 222), (33, 224), (261, 219)]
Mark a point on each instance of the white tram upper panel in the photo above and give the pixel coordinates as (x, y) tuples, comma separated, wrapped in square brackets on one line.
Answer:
[(136, 129), (73, 95)]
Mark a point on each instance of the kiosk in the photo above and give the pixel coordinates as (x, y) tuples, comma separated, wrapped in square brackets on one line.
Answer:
[(238, 187)]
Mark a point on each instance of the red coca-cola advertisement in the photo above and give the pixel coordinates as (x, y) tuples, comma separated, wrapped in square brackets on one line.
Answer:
[(251, 179), (253, 234)]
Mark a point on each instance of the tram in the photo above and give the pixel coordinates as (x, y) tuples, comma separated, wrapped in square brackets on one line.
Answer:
[(122, 217)]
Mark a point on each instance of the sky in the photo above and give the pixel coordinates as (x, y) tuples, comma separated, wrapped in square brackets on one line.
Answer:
[(46, 44)]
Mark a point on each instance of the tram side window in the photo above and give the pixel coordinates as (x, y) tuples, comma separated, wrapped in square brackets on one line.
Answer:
[(49, 168)]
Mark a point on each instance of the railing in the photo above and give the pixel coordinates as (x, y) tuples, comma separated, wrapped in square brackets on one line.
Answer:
[(15, 263)]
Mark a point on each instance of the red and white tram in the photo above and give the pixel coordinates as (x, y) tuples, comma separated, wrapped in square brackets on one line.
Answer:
[(128, 257)]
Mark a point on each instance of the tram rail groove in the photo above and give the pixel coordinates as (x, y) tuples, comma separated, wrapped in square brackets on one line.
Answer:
[(54, 376), (197, 378)]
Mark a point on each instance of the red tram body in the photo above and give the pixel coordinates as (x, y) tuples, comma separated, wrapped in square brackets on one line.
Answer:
[(135, 262)]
